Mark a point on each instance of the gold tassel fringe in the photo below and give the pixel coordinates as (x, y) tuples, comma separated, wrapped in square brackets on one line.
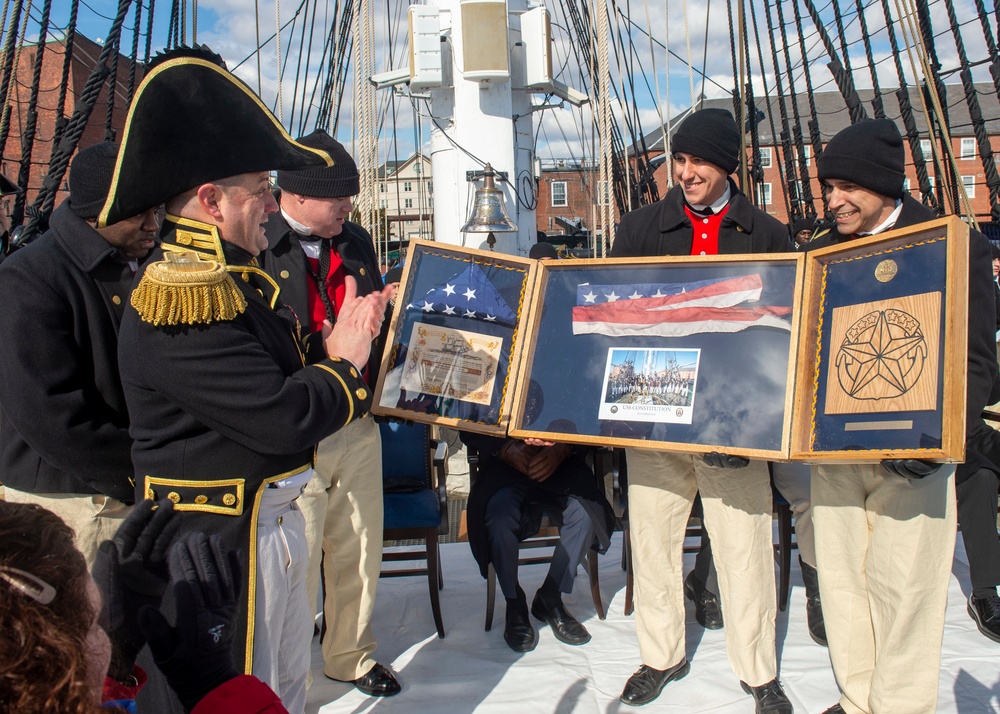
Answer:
[(187, 293)]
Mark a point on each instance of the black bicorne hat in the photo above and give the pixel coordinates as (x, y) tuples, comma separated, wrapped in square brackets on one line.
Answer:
[(7, 187), (193, 122)]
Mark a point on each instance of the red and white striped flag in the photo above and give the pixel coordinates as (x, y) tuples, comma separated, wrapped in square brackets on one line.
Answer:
[(715, 306)]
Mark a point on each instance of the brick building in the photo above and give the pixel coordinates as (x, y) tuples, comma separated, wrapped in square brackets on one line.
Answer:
[(776, 195), (84, 59), (567, 190)]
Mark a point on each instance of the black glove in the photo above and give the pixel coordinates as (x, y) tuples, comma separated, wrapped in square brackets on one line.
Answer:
[(131, 572), (910, 468), (725, 461), (196, 655)]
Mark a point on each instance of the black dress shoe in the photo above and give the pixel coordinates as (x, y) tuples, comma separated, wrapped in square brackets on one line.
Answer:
[(986, 612), (707, 610), (378, 682), (564, 626), (518, 633), (814, 606), (646, 684), (835, 709), (769, 698)]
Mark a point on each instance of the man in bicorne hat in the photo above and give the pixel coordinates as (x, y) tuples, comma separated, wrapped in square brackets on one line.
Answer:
[(885, 533), (224, 415), (703, 214)]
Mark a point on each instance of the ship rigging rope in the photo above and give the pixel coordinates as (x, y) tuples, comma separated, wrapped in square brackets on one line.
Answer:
[(767, 94), (666, 74), (783, 137), (814, 135), (604, 187), (28, 132), (256, 20), (687, 42), (42, 207), (870, 57), (61, 119), (975, 114), (12, 58), (135, 52), (804, 204), (916, 44), (656, 77), (277, 55)]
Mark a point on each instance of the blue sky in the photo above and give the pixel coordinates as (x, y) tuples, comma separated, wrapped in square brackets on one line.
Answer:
[(663, 84)]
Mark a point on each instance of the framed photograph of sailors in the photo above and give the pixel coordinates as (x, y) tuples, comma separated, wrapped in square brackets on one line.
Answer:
[(691, 354), (451, 353), (874, 378)]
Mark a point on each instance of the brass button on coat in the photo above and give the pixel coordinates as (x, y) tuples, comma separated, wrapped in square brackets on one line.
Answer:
[(174, 496)]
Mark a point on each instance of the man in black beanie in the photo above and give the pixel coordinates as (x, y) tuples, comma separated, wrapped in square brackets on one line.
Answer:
[(703, 214), (64, 440), (885, 533), (312, 247)]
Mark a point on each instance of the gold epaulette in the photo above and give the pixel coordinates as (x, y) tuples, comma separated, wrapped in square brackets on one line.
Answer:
[(182, 289)]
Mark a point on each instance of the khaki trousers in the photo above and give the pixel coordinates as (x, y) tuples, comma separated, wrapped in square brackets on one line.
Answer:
[(793, 482), (94, 518), (342, 505), (737, 505), (884, 546)]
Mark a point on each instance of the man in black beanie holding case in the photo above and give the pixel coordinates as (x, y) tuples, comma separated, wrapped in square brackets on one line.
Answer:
[(885, 533), (703, 214)]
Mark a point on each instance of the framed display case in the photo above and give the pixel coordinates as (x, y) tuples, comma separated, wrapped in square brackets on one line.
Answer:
[(453, 346), (683, 354), (881, 371)]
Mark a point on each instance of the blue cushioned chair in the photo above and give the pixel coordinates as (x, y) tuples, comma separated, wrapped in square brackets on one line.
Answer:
[(415, 502)]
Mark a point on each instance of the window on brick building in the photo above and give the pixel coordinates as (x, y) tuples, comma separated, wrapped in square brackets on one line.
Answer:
[(559, 194), (968, 149), (970, 186), (765, 157), (925, 149), (764, 194)]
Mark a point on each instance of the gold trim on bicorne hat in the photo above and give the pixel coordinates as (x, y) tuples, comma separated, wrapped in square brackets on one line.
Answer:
[(183, 289), (193, 122)]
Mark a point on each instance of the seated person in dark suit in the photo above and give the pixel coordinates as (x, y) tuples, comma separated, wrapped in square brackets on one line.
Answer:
[(518, 482)]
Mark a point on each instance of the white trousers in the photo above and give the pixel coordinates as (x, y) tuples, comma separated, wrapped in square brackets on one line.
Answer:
[(342, 505), (738, 516), (884, 546), (283, 621)]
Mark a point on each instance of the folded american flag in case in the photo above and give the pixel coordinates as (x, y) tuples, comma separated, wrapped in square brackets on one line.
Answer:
[(675, 309)]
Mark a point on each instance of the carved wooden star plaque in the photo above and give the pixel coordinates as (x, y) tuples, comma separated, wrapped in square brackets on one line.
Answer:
[(883, 356)]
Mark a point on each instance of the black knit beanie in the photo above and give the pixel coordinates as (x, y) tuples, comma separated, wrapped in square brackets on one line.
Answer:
[(712, 135), (869, 154), (90, 178), (338, 181)]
